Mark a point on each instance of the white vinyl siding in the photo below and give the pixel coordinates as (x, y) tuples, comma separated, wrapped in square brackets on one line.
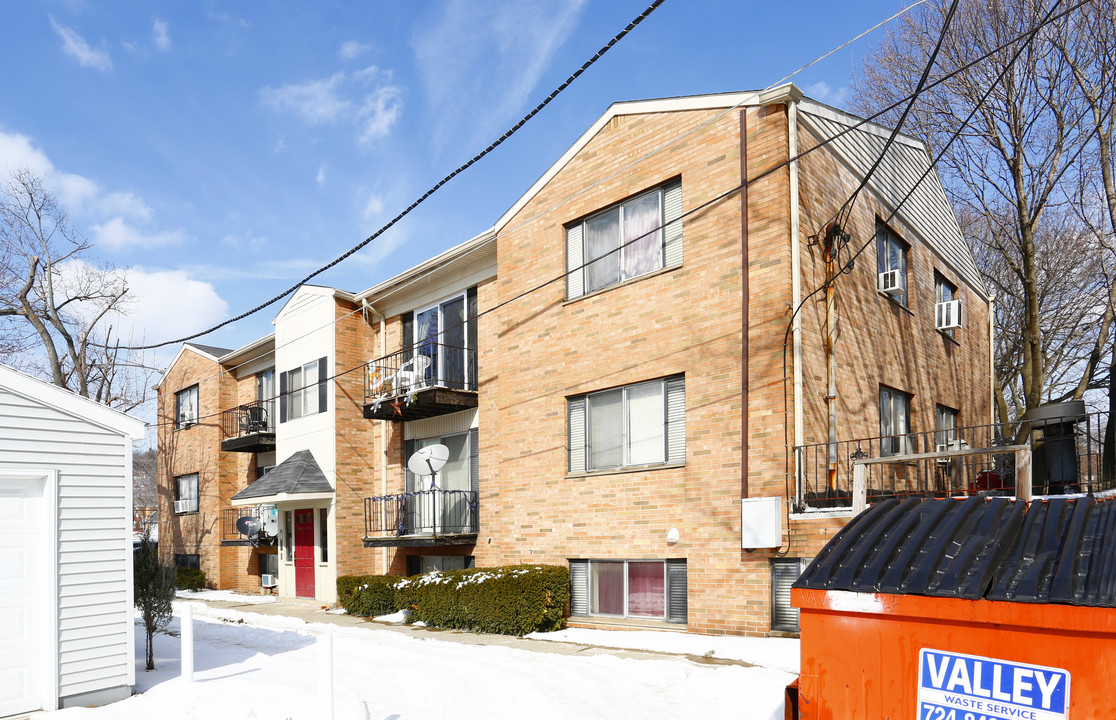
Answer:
[(95, 630), (624, 241)]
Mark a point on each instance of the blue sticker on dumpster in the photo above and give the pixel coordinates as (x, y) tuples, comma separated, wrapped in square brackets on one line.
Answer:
[(952, 686)]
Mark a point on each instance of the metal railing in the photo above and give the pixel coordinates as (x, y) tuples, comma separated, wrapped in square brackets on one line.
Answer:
[(1066, 459), (248, 419), (426, 512), (229, 516), (427, 365)]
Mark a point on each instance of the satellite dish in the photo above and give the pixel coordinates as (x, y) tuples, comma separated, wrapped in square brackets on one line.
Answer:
[(248, 525), (428, 460)]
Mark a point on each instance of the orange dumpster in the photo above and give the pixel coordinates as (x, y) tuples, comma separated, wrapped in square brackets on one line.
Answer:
[(973, 609)]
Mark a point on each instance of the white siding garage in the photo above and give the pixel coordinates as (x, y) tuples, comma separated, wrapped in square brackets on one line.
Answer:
[(66, 629)]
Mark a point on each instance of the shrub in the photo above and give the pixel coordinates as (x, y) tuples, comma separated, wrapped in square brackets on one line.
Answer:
[(367, 595), (511, 600), (190, 579)]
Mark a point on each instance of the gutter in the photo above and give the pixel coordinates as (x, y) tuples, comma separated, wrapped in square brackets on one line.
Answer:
[(796, 282), (744, 292)]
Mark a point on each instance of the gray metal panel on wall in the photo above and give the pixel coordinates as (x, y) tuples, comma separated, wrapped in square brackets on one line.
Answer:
[(579, 587), (927, 211)]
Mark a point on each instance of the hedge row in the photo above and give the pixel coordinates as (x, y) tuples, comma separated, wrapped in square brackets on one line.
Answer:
[(511, 600), (189, 579)]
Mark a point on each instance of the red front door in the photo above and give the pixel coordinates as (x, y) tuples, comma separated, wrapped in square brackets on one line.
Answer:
[(304, 553)]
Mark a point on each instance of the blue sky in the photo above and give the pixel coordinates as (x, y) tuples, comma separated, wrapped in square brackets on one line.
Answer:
[(221, 151)]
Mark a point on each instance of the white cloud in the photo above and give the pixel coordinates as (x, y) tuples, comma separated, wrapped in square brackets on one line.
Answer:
[(75, 46), (125, 203), (374, 206), (484, 61), (823, 92), (116, 234), (158, 299), (279, 146), (18, 151), (367, 98), (351, 50), (159, 35), (321, 175)]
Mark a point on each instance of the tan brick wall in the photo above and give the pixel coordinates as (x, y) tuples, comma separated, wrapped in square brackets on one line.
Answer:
[(194, 449)]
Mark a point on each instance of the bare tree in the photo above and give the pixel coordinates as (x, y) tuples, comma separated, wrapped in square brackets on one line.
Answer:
[(57, 309), (1010, 174)]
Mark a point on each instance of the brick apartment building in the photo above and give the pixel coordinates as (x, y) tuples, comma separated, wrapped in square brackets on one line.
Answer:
[(635, 418)]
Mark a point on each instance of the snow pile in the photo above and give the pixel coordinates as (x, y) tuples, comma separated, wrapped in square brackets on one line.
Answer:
[(251, 666), (228, 595)]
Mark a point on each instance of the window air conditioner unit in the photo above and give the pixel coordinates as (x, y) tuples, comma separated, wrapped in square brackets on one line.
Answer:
[(892, 282), (941, 448), (185, 506), (268, 580), (947, 315)]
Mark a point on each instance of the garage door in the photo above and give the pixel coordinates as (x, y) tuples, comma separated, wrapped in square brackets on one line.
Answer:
[(22, 640)]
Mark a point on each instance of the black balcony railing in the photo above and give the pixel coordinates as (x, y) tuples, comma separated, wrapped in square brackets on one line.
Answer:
[(248, 419), (230, 535), (429, 365), (434, 512), (1066, 458), (249, 427)]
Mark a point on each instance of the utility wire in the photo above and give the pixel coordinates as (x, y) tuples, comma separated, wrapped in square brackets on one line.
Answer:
[(434, 188), (847, 267), (642, 158), (777, 166)]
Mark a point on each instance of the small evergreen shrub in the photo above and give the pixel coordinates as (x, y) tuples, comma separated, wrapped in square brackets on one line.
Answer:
[(510, 600), (190, 579), (368, 595)]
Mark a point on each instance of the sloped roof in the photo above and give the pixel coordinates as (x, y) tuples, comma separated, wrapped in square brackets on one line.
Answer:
[(211, 350), (51, 395), (1056, 550), (297, 475)]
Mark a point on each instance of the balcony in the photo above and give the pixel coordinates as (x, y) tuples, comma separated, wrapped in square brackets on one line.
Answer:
[(264, 513), (1065, 457), (249, 428), (427, 381), (421, 519)]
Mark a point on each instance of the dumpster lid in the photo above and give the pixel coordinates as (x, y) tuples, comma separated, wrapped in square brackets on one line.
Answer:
[(1060, 550)]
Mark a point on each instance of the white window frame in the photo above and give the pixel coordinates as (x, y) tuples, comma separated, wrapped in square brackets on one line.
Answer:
[(180, 496), (945, 432), (585, 575), (186, 417), (945, 291), (897, 425), (885, 238), (300, 396), (416, 341), (669, 233), (669, 426)]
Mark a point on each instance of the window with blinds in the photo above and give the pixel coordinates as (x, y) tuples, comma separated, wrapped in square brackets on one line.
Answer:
[(650, 589), (634, 425), (629, 239)]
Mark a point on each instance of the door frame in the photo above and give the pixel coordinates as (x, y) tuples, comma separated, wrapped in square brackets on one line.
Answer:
[(312, 568), (48, 534)]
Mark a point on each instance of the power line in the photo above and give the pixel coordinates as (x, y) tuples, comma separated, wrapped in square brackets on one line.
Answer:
[(434, 188), (642, 158), (775, 167)]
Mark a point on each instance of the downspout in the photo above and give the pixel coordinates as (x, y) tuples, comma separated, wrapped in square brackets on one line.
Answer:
[(796, 286), (744, 302), (383, 426), (992, 360), (831, 250)]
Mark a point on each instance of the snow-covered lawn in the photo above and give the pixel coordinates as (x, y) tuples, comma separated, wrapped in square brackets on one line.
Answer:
[(249, 665)]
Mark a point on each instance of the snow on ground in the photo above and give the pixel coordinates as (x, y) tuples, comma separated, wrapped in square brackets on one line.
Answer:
[(250, 666), (224, 595), (778, 653)]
